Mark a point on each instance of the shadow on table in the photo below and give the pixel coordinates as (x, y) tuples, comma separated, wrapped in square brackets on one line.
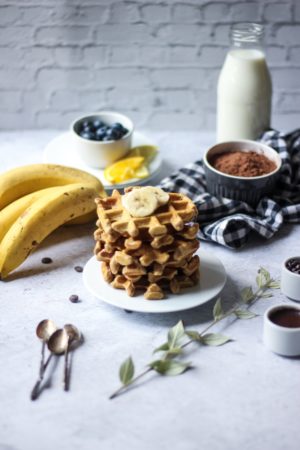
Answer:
[(196, 316)]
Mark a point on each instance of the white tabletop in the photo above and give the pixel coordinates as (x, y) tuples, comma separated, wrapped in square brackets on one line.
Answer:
[(239, 396)]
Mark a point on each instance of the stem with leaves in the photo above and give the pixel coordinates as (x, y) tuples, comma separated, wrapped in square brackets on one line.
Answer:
[(178, 337)]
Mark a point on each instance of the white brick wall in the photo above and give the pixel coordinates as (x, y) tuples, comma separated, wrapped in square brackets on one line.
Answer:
[(155, 60)]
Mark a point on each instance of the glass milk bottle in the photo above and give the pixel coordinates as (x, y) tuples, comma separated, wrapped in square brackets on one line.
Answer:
[(244, 87)]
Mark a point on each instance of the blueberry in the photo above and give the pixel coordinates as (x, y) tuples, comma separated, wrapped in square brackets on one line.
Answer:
[(96, 123), (85, 135), (117, 126), (110, 134), (100, 133)]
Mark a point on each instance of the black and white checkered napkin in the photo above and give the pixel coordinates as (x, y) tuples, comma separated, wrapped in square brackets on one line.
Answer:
[(229, 222)]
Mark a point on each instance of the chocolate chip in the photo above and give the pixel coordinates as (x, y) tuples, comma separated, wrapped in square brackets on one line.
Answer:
[(78, 268), (74, 298), (128, 311), (46, 260)]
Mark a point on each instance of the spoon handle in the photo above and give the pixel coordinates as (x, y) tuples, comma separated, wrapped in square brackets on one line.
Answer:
[(42, 359), (36, 388), (66, 370)]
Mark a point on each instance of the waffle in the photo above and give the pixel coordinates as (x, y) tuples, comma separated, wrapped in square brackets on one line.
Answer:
[(150, 254), (113, 217)]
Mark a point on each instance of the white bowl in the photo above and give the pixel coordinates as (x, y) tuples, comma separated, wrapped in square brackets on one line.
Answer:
[(100, 154), (281, 339), (290, 282), (247, 189)]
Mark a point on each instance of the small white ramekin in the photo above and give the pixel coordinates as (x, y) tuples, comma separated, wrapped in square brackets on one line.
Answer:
[(279, 339), (100, 154), (290, 282)]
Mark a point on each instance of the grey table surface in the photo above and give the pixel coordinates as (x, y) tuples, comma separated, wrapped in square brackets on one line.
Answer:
[(237, 396)]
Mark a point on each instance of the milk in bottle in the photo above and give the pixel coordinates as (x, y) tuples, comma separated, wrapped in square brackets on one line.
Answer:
[(244, 87)]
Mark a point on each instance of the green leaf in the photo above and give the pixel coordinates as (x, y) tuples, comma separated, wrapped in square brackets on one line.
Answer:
[(266, 275), (247, 294), (263, 277), (169, 367), (194, 335), (215, 339), (175, 334), (244, 314), (126, 371), (218, 310), (173, 352), (162, 348), (274, 285), (266, 295)]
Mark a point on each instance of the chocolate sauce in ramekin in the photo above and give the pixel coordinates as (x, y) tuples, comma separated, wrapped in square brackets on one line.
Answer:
[(286, 317)]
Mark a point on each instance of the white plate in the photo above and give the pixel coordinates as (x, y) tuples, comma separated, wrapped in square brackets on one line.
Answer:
[(212, 281), (61, 151)]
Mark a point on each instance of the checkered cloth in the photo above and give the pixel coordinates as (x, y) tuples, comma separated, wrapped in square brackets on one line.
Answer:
[(230, 222)]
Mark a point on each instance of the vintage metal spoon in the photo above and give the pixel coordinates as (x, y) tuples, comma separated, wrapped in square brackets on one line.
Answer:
[(44, 330), (61, 342)]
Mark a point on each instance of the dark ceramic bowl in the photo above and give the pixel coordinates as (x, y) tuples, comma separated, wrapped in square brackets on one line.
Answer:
[(247, 189)]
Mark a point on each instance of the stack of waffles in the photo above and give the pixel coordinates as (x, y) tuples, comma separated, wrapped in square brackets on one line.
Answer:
[(150, 254)]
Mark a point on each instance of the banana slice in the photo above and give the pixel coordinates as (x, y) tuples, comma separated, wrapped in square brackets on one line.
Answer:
[(140, 202), (162, 196)]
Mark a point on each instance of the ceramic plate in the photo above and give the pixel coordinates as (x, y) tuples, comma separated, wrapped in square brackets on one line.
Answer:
[(212, 281), (61, 151)]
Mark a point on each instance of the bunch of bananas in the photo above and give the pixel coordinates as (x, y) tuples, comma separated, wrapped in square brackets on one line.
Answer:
[(37, 199)]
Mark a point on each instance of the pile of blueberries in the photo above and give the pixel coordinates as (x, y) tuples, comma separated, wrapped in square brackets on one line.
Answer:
[(96, 130), (294, 265)]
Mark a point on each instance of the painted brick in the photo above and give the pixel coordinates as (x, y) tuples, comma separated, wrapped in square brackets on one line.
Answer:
[(216, 12), (54, 35), (62, 78), (278, 12), (124, 55), (212, 56), (156, 60), (97, 14), (153, 56), (184, 34), (94, 100), (249, 11), (122, 12), (16, 35), (95, 56), (186, 13), (68, 56), (64, 99), (122, 77), (11, 101), (21, 79), (276, 56), (179, 78), (286, 78), (121, 34), (294, 55), (175, 121), (183, 55), (159, 13), (9, 14), (288, 34), (289, 102)]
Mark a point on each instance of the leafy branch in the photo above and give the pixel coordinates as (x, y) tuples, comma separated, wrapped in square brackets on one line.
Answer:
[(178, 337)]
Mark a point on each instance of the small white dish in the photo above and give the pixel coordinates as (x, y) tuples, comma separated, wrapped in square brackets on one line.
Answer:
[(212, 281), (61, 151), (278, 334), (290, 282), (99, 154)]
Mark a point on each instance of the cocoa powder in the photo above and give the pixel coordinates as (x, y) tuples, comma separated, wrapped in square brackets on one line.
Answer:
[(243, 164)]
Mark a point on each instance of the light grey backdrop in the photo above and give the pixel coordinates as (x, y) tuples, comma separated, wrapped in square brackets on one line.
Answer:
[(156, 60)]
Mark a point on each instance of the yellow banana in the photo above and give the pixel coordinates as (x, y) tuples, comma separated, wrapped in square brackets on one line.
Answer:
[(27, 179), (11, 212), (40, 219)]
